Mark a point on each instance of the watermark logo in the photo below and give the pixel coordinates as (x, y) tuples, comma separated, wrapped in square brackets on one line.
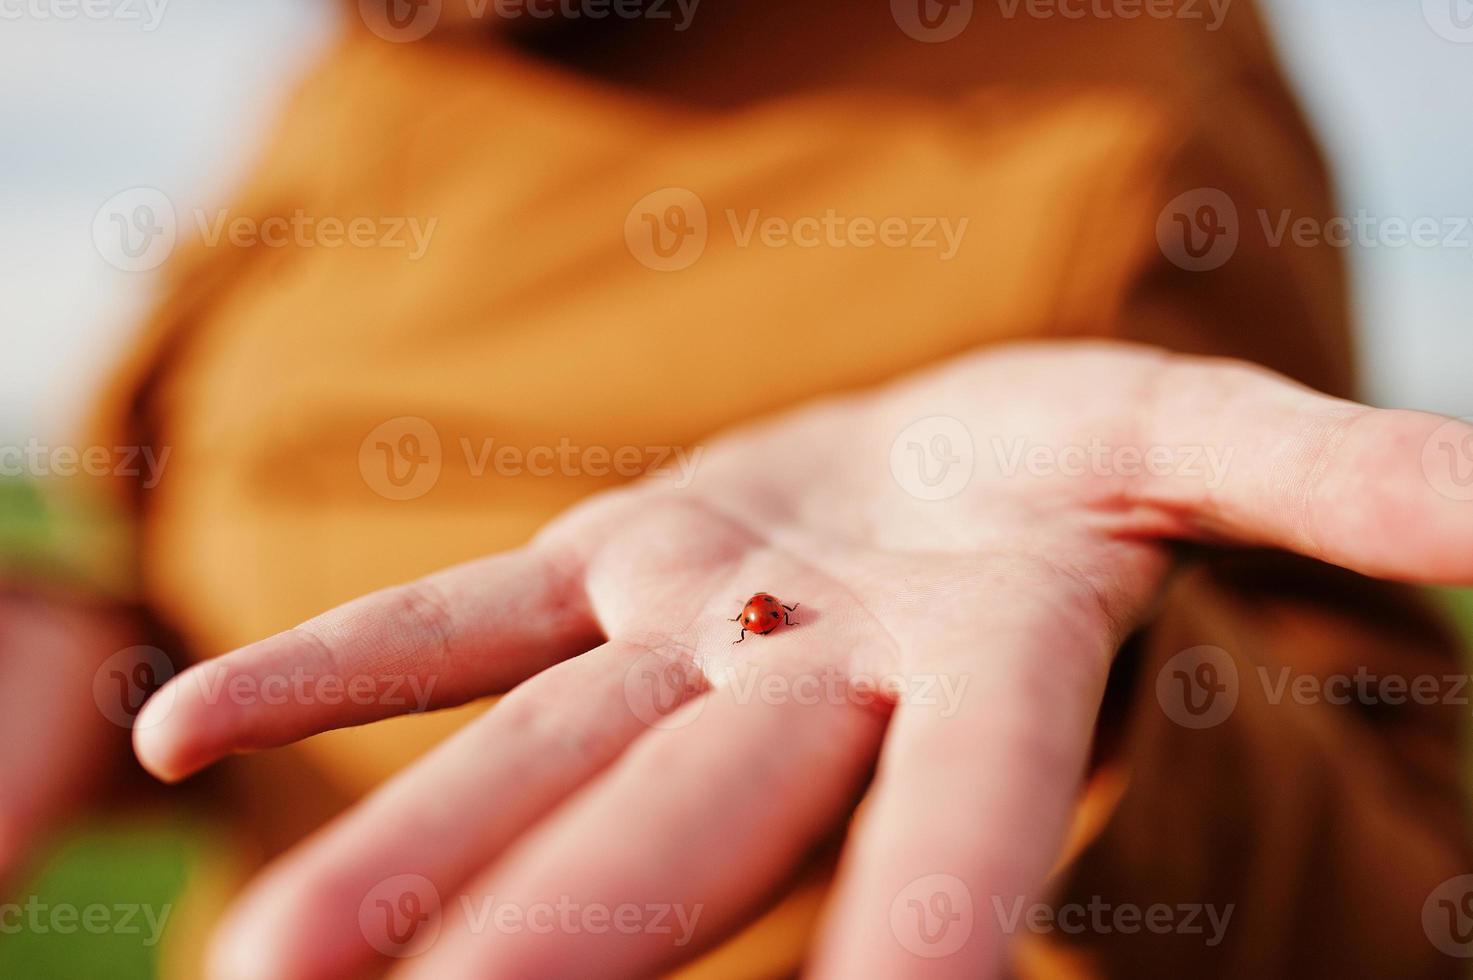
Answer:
[(127, 679), (932, 917), (1102, 918), (1365, 230), (401, 458), (1213, 13), (1363, 688), (412, 234), (679, 13), (148, 14), (1198, 230), (1207, 464), (400, 916), (1447, 916), (1452, 20), (138, 229), (1198, 688), (933, 458), (41, 918), (932, 21), (675, 464), (663, 688), (831, 229), (400, 21), (568, 917), (1447, 459), (656, 684), (135, 230), (36, 459), (667, 229)]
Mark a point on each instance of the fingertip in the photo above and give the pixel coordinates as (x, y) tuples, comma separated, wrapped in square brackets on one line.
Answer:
[(158, 744), (236, 954), (154, 757)]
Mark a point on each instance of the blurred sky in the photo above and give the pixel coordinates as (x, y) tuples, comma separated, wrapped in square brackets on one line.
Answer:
[(99, 106)]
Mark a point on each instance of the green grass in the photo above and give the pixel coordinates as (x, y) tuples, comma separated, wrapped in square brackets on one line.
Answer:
[(1459, 605), (87, 915)]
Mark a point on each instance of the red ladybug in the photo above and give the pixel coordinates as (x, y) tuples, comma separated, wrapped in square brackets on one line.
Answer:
[(762, 614)]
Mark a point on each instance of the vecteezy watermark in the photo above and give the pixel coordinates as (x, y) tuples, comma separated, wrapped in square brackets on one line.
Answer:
[(658, 683), (677, 13), (567, 917), (298, 686), (402, 21), (933, 917), (401, 917), (1202, 686), (1447, 916), (935, 233), (1447, 459), (936, 21), (663, 686), (1100, 459), (35, 459), (1200, 230), (302, 230), (1102, 918), (1452, 20), (1198, 688), (1365, 230), (1364, 687), (933, 458), (1212, 13), (137, 230), (125, 680), (130, 677), (674, 463), (400, 459), (41, 918), (403, 458), (668, 230), (147, 14), (932, 21)]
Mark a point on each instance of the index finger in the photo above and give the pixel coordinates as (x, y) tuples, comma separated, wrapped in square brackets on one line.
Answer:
[(462, 633)]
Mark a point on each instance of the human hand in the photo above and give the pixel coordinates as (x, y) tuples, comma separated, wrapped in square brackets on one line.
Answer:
[(642, 758)]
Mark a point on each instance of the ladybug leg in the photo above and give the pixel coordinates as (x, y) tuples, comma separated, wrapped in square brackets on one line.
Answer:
[(735, 619), (788, 621), (740, 638), (791, 608)]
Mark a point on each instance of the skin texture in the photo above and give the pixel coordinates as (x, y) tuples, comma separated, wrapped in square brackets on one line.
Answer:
[(589, 786)]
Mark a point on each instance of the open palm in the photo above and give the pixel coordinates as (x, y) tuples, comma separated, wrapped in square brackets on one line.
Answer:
[(968, 548)]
